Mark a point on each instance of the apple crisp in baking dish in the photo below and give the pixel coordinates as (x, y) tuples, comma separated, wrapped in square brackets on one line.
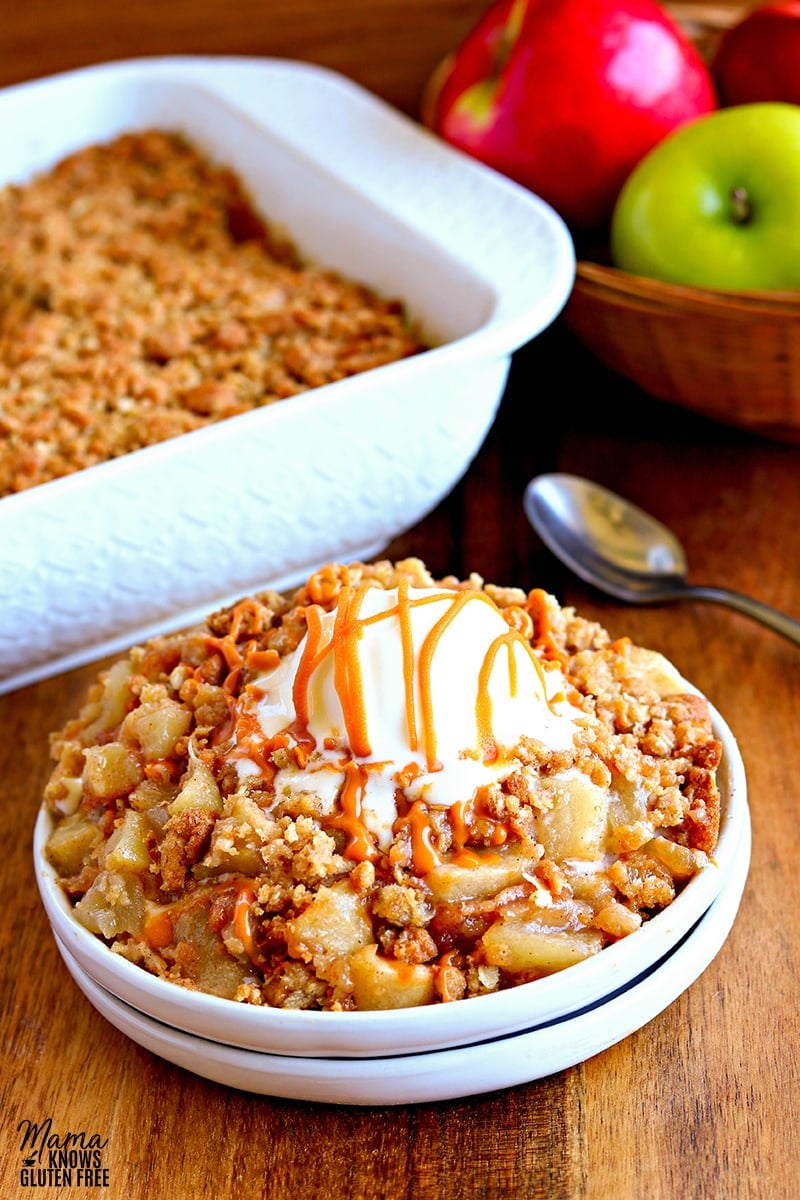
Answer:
[(380, 791), (142, 297)]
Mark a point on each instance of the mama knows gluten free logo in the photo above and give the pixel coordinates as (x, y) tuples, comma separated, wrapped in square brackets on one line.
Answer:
[(52, 1159)]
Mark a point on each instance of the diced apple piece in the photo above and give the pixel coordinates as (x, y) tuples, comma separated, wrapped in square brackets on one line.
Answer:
[(127, 846), (451, 882), (236, 839), (110, 706), (658, 670), (627, 804), (230, 852), (518, 945), (156, 726), (114, 904), (616, 919), (110, 770), (64, 793), (591, 887), (198, 791), (681, 861), (387, 983), (70, 842), (334, 923), (575, 827), (210, 966)]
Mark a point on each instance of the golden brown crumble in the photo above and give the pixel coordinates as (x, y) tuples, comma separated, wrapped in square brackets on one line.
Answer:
[(142, 298), (212, 881)]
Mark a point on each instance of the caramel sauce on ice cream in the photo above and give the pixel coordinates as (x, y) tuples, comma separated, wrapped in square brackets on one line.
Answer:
[(402, 696)]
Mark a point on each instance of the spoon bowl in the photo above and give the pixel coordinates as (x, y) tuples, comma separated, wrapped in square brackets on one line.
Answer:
[(620, 549)]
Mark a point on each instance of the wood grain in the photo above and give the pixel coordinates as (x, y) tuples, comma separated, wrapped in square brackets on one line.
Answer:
[(697, 1104), (389, 47)]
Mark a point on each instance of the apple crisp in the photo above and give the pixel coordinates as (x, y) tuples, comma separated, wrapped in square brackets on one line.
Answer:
[(380, 791), (142, 297)]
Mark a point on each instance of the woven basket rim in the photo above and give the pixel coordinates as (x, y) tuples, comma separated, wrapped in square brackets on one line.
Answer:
[(602, 279)]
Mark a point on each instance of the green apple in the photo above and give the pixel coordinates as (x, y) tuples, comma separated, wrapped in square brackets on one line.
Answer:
[(716, 203)]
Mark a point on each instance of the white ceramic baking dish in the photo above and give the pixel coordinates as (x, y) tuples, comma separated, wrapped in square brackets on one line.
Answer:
[(105, 557)]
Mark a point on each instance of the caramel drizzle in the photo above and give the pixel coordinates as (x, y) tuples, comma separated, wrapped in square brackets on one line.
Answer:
[(407, 643), (542, 636), (486, 738), (349, 681), (310, 659), (361, 845), (427, 651), (348, 678), (424, 855)]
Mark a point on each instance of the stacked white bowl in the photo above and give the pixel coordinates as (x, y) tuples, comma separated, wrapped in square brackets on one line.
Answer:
[(438, 1051)]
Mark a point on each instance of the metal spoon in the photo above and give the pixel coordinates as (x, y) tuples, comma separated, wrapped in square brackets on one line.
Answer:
[(622, 550)]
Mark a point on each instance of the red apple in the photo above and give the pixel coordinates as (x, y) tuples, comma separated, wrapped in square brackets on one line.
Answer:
[(565, 96), (759, 57)]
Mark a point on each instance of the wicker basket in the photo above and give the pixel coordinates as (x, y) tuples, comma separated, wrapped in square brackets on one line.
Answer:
[(732, 356)]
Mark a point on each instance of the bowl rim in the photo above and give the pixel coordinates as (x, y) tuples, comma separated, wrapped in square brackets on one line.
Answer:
[(362, 1034)]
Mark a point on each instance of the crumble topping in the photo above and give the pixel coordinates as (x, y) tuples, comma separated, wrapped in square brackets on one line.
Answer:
[(142, 297)]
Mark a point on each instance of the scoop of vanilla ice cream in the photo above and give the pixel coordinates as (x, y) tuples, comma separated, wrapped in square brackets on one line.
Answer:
[(432, 683)]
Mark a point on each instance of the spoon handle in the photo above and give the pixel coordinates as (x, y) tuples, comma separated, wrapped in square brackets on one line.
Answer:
[(777, 621)]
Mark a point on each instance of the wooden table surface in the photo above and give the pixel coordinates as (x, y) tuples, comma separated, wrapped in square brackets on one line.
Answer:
[(698, 1103)]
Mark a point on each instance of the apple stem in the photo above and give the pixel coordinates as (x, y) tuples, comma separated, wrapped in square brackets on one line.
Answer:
[(740, 202)]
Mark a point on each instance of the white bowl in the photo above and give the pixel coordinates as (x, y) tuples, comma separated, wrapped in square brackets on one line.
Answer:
[(481, 264), (494, 1063), (433, 1027)]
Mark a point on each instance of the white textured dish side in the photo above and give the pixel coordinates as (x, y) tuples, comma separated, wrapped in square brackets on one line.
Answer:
[(437, 1026), (497, 1062), (114, 553), (137, 545)]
